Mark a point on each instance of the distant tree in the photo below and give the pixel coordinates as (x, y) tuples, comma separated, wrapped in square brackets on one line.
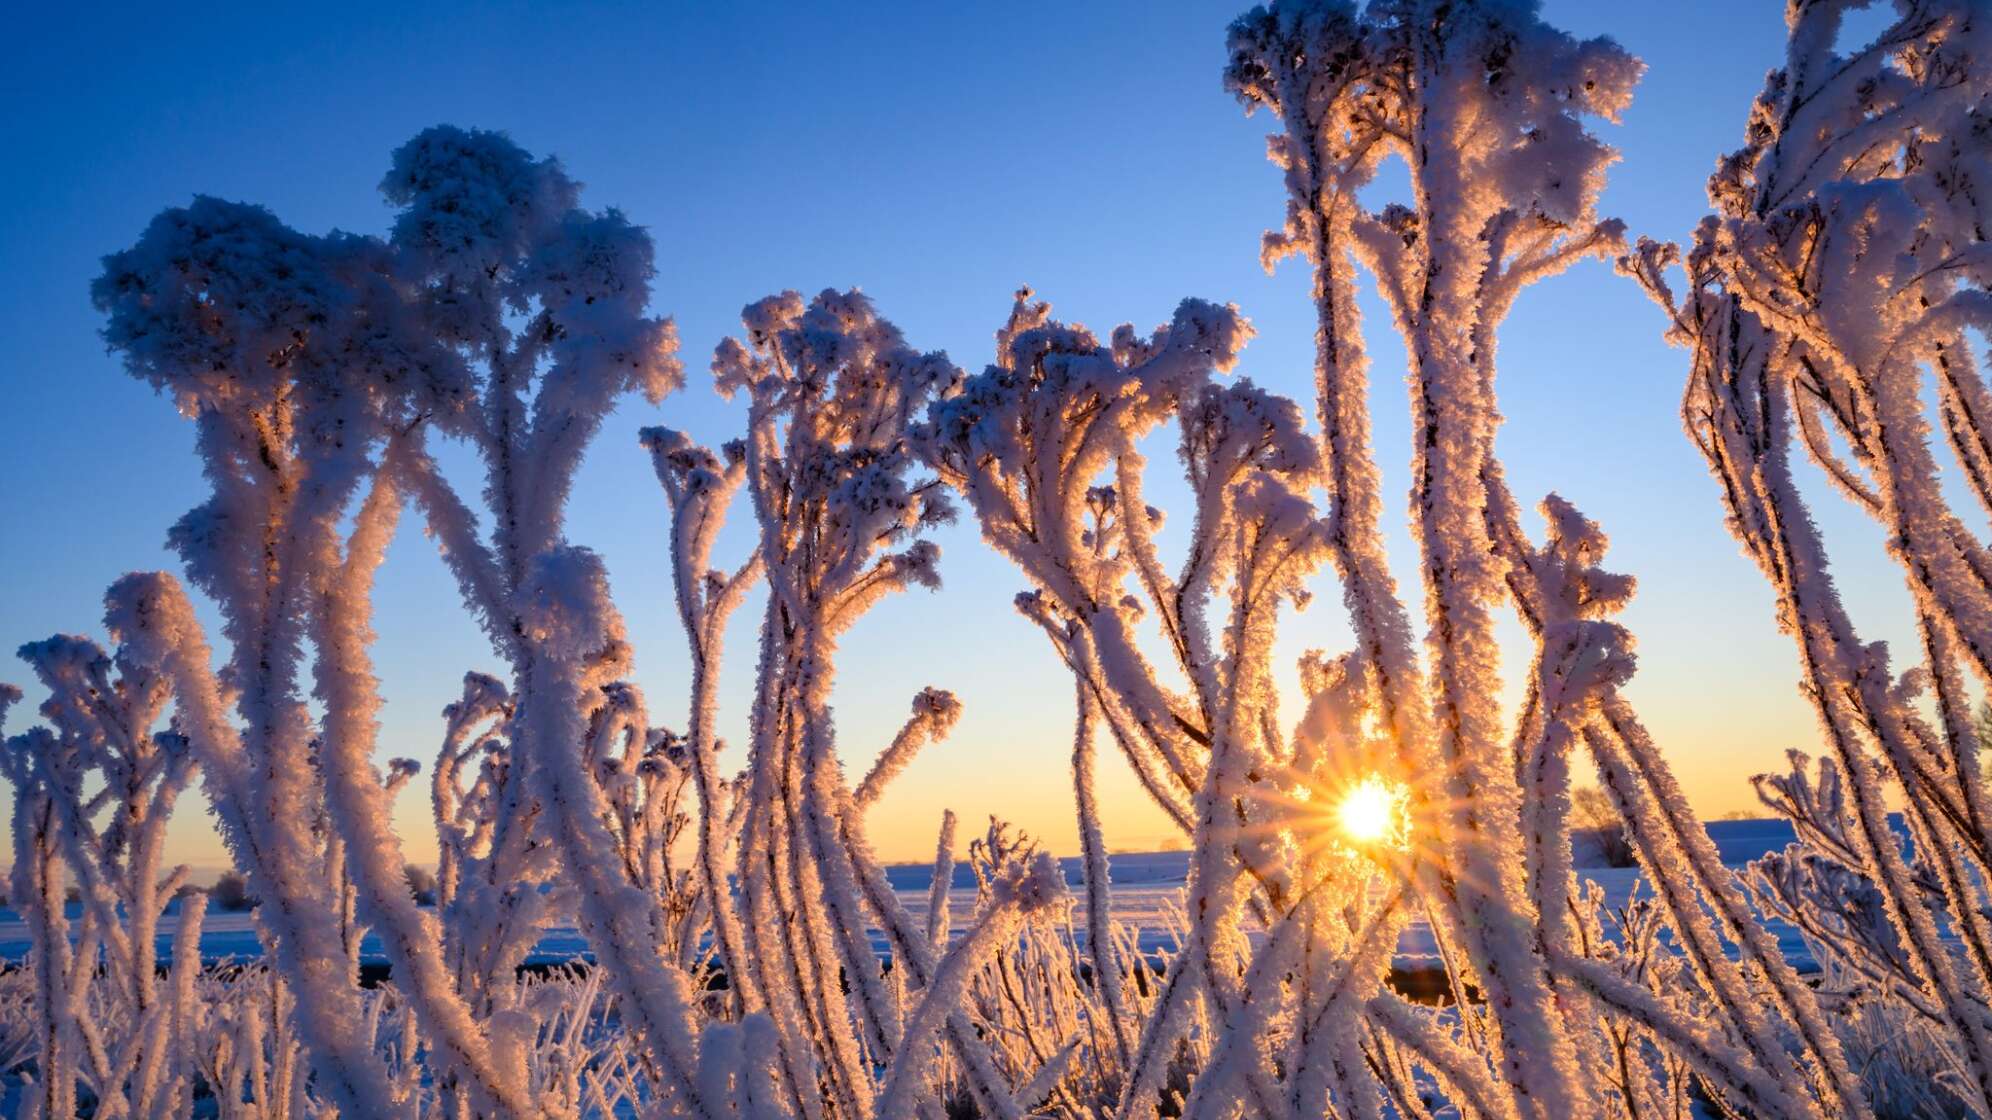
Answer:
[(231, 892), (1592, 811)]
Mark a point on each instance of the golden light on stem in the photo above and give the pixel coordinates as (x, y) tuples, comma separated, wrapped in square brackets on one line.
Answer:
[(1372, 812)]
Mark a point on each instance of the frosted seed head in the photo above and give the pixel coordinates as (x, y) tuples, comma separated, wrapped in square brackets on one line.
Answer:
[(471, 200)]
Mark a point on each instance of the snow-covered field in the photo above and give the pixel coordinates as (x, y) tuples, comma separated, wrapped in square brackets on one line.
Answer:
[(1148, 890)]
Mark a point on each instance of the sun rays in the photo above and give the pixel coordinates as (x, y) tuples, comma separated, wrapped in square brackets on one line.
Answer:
[(1371, 812)]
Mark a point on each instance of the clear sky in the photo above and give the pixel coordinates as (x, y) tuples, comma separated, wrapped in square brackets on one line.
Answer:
[(937, 155)]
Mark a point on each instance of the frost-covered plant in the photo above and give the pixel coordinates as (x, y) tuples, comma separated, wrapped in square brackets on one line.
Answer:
[(1484, 106), (311, 365), (698, 488), (544, 304), (1042, 996), (94, 790), (833, 393), (1832, 301), (250, 1058), (1023, 443), (298, 360)]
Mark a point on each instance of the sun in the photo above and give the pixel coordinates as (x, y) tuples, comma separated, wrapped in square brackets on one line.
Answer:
[(1371, 811)]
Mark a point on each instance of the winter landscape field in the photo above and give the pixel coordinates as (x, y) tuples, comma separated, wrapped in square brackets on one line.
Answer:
[(544, 706), (1148, 898)]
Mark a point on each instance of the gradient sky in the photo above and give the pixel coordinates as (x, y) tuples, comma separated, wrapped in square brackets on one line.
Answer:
[(937, 155)]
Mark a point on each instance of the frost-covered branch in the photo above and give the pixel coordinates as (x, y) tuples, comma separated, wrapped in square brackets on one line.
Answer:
[(1834, 283)]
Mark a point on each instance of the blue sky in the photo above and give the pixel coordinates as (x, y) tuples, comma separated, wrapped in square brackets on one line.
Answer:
[(935, 155)]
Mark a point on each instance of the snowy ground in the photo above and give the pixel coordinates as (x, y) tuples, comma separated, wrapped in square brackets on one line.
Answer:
[(1147, 893)]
